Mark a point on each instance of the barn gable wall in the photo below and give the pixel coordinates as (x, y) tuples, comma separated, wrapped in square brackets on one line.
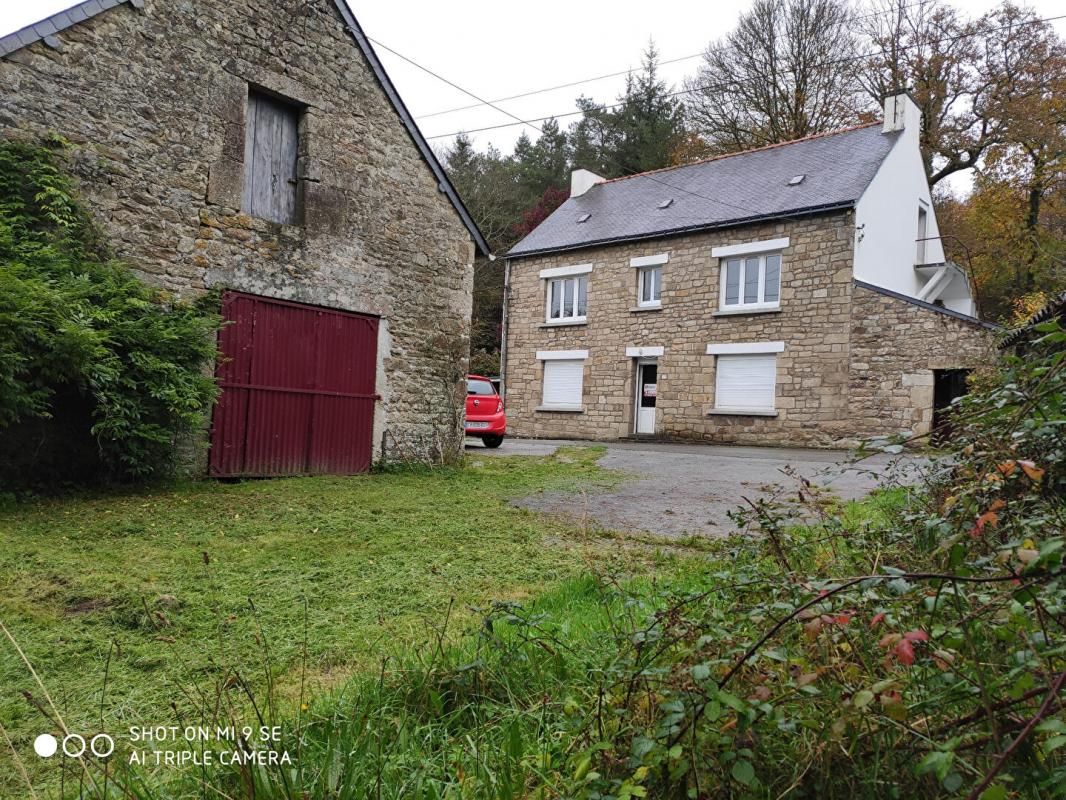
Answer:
[(154, 101)]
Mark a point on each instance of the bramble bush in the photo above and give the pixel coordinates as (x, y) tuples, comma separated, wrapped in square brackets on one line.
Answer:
[(914, 646), (99, 374)]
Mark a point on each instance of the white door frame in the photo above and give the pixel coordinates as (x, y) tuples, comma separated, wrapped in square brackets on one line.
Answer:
[(638, 382)]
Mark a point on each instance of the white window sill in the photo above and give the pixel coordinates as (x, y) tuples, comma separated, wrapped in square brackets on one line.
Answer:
[(564, 323), (739, 310), (741, 412), (564, 409), (638, 309)]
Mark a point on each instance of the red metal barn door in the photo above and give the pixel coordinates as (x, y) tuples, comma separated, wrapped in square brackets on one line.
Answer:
[(297, 389)]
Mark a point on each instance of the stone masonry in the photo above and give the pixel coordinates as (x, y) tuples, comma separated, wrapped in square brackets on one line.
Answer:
[(153, 100), (890, 388), (855, 364)]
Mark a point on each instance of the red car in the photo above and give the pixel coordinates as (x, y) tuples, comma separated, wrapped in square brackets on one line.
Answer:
[(484, 411)]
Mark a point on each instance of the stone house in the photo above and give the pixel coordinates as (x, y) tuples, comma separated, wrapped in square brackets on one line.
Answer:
[(258, 147), (794, 294)]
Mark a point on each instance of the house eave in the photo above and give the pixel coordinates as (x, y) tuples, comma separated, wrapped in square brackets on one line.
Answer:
[(914, 301), (667, 233)]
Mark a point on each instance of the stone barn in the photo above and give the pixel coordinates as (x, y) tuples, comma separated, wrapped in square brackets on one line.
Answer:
[(259, 148)]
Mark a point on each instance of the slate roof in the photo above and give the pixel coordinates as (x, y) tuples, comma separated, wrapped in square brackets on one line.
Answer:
[(47, 29), (56, 23), (719, 192)]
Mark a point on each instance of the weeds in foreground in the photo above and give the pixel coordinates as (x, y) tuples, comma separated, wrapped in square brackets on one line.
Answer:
[(916, 650)]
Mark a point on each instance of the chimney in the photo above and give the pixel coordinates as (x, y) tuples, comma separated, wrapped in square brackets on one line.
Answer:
[(901, 113), (581, 180)]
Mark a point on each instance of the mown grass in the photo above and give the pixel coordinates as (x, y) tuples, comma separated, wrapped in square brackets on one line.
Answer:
[(130, 606), (581, 690), (526, 701)]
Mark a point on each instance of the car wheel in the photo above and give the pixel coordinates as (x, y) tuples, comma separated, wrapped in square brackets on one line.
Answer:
[(492, 441)]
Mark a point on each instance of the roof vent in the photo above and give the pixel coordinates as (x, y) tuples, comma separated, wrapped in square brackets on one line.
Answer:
[(796, 180), (666, 203), (584, 218)]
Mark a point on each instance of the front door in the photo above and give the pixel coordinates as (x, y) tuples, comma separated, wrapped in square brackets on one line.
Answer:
[(647, 390)]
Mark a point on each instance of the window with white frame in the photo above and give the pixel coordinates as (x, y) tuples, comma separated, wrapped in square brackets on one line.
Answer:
[(751, 275), (751, 281), (649, 279), (564, 375), (566, 294), (746, 377), (650, 287), (923, 233), (568, 299)]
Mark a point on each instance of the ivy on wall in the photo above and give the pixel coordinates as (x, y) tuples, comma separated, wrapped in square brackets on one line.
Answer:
[(99, 374)]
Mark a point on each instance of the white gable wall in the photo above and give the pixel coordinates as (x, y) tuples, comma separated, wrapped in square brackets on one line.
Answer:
[(886, 218)]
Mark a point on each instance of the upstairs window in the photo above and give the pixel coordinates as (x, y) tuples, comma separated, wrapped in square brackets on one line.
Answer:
[(271, 149), (923, 234), (568, 299), (751, 282), (650, 287), (649, 279)]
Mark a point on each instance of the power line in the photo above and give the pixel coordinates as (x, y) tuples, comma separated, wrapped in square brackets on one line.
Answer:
[(555, 88), (428, 71), (700, 88), (648, 175), (571, 84)]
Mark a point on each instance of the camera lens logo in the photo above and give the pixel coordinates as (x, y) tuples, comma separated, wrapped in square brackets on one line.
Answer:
[(74, 745)]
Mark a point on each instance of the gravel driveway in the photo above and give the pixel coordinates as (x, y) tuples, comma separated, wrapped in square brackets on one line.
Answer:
[(678, 490)]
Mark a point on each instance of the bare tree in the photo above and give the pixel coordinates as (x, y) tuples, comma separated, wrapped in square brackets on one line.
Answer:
[(785, 72), (966, 76)]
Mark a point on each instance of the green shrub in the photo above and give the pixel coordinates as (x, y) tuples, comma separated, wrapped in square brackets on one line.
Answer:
[(99, 374), (913, 646)]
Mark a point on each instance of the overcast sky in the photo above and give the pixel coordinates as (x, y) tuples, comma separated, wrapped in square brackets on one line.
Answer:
[(496, 49)]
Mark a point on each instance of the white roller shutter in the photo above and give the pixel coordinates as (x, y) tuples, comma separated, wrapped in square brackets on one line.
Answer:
[(746, 381), (563, 382)]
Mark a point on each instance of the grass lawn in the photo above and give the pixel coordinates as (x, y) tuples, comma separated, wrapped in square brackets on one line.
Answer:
[(129, 603)]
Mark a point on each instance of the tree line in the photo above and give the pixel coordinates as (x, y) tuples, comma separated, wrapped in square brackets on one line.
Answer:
[(992, 91)]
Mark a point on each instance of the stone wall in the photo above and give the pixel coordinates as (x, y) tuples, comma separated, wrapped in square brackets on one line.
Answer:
[(154, 102), (856, 364), (891, 384), (814, 322)]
